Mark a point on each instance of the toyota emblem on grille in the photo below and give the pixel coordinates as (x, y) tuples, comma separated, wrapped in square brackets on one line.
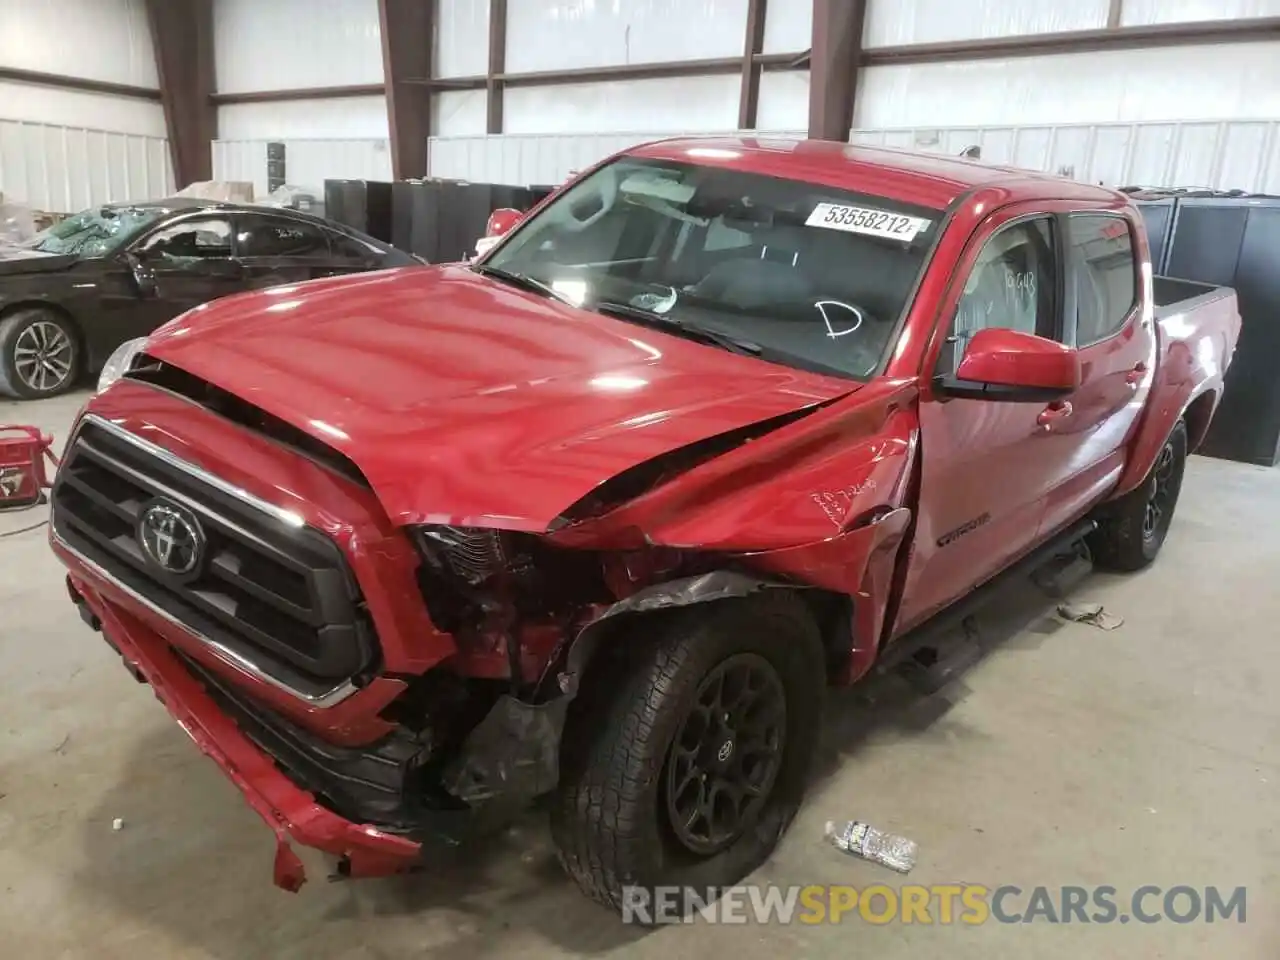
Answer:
[(170, 537)]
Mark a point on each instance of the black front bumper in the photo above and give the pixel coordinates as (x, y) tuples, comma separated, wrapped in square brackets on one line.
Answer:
[(389, 784)]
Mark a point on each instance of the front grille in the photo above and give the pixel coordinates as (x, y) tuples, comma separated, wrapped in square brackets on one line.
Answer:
[(277, 595)]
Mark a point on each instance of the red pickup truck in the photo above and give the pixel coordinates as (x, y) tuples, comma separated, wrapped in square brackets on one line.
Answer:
[(599, 516)]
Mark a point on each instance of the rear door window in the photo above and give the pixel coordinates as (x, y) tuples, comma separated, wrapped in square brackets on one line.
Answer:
[(279, 237), (1105, 275)]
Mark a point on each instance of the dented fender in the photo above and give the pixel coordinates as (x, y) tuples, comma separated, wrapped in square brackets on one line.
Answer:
[(802, 483), (859, 563), (669, 595), (822, 502)]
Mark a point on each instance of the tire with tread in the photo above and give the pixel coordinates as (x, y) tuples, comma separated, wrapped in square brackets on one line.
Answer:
[(12, 326), (1122, 541), (609, 820)]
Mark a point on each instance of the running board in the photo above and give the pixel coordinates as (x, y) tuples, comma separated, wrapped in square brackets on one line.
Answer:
[(929, 634)]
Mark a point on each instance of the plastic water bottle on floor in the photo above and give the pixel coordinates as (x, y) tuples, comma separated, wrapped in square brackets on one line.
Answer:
[(860, 839)]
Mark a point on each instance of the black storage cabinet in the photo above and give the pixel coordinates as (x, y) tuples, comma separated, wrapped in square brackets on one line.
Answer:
[(362, 204), (441, 220), (1234, 241), (1158, 217)]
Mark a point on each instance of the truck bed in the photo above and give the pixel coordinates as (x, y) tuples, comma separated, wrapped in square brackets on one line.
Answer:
[(1186, 310), (1172, 295), (1197, 325)]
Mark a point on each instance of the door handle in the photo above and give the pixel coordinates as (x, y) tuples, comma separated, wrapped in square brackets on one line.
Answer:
[(1134, 376), (1053, 413)]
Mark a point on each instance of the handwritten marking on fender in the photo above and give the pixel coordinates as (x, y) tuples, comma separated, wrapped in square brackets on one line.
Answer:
[(836, 503)]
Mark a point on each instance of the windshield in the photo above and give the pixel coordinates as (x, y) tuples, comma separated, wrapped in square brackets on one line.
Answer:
[(804, 274), (95, 233)]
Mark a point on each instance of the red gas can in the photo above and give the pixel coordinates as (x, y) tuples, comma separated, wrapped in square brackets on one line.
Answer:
[(23, 452)]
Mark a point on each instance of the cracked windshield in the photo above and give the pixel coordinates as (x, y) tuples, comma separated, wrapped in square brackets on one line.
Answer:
[(94, 233), (796, 273)]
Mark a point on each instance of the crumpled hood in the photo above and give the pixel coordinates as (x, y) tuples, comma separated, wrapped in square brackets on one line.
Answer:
[(464, 401), (19, 260)]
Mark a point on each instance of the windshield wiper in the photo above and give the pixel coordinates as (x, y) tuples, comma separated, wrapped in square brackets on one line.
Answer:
[(680, 328), (521, 280)]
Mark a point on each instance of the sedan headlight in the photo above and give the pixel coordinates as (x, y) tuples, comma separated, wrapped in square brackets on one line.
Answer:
[(118, 363)]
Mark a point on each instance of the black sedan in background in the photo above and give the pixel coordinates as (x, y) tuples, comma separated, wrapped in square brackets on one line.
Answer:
[(72, 294)]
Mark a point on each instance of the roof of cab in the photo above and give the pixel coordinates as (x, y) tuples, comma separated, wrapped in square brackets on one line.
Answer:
[(926, 179)]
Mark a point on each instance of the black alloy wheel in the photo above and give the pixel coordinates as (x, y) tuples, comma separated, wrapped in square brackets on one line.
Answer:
[(726, 754), (1161, 493), (686, 751), (1132, 528)]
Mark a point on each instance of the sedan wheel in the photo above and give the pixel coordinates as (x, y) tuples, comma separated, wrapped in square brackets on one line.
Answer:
[(42, 356), (39, 354)]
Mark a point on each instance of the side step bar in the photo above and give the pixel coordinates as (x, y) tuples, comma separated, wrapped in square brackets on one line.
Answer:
[(933, 631)]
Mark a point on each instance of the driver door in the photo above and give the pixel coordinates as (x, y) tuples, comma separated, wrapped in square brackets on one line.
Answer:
[(181, 265), (985, 475)]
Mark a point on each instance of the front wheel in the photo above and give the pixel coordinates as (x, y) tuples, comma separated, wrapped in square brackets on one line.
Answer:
[(1132, 530), (687, 752)]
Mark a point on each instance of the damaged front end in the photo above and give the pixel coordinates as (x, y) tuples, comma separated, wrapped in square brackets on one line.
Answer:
[(482, 638), (527, 616), (528, 612)]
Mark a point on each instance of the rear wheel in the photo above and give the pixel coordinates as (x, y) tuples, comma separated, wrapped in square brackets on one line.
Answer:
[(1132, 530), (687, 752), (39, 354)]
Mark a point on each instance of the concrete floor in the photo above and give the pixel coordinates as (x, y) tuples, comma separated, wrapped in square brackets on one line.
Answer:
[(1147, 755)]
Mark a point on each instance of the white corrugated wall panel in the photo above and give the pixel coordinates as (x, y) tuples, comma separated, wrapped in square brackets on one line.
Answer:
[(462, 38), (65, 169), (242, 160), (894, 22), (1142, 12), (46, 132), (71, 108), (293, 44), (459, 113), (707, 103), (308, 162), (343, 118), (98, 39), (1212, 82), (788, 26), (1224, 155), (1246, 154), (563, 34), (784, 100), (524, 159), (539, 158)]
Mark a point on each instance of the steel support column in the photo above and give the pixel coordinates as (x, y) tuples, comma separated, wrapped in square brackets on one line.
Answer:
[(749, 98), (182, 35), (834, 60), (408, 39), (497, 65)]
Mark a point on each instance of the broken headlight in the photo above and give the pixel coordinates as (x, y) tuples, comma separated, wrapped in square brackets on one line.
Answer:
[(472, 554), (474, 569)]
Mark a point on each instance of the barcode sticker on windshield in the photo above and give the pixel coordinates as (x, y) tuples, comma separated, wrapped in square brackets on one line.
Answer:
[(875, 223)]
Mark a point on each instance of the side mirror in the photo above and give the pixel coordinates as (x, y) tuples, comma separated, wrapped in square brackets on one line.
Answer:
[(1013, 366)]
